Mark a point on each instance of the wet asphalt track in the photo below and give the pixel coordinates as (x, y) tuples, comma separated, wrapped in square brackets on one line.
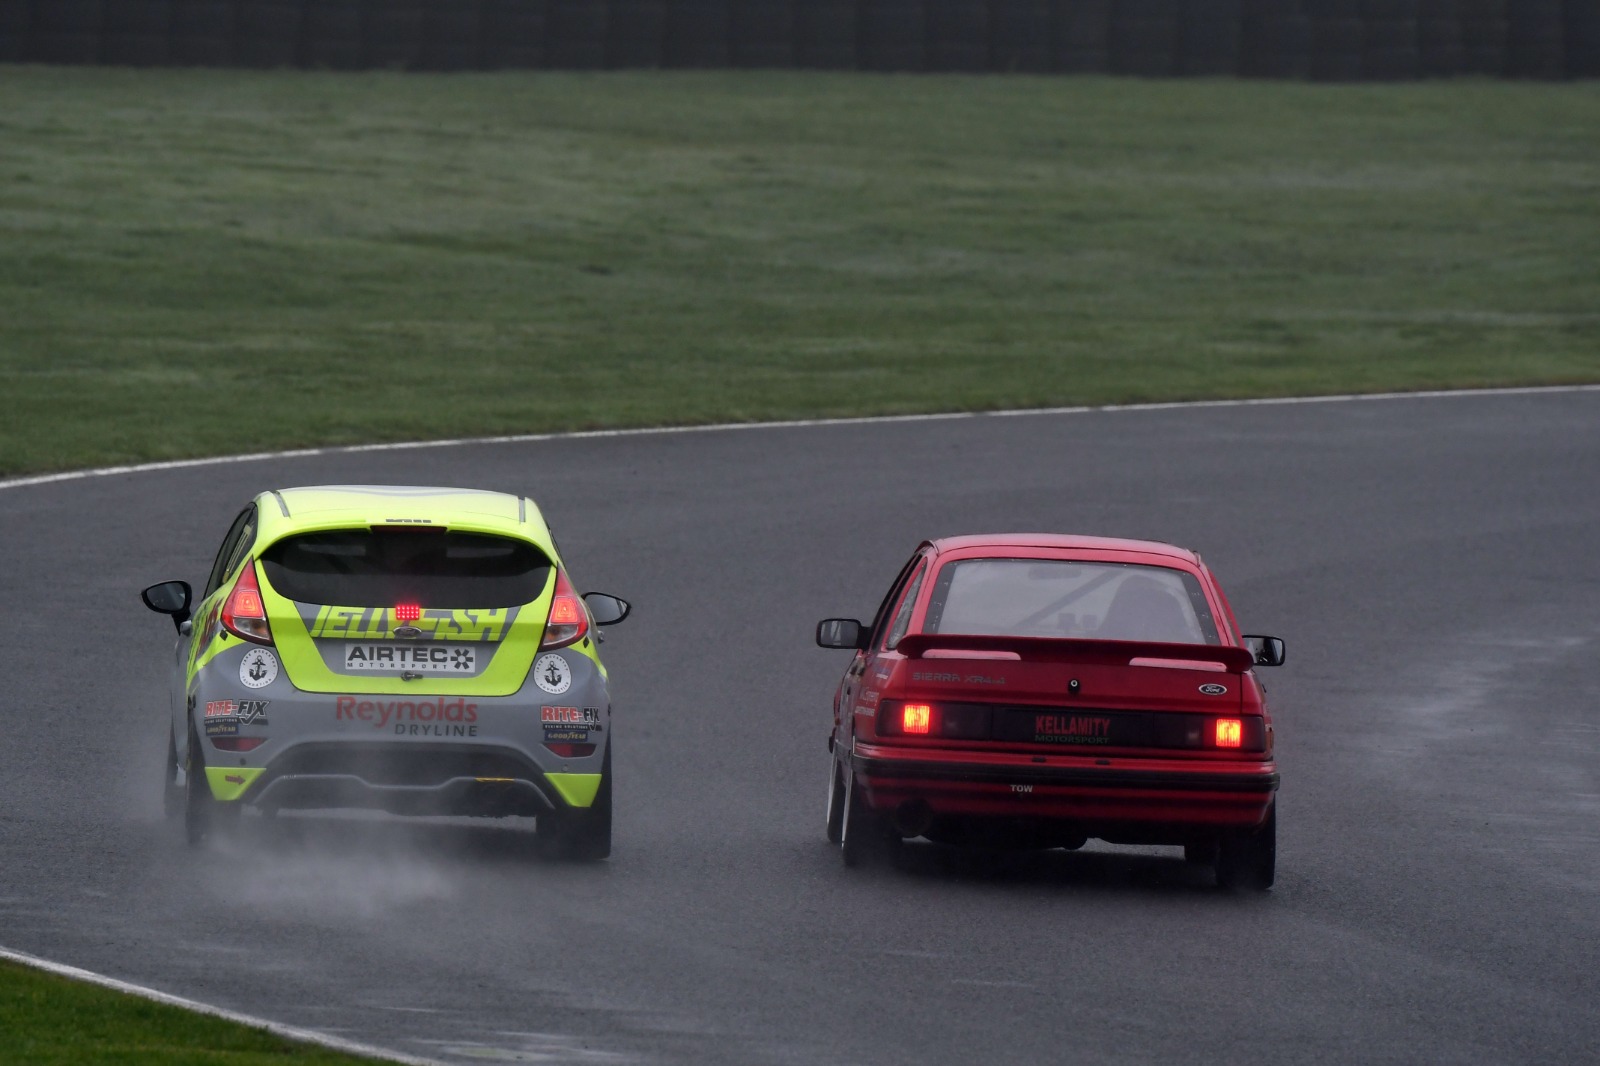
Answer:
[(1432, 564)]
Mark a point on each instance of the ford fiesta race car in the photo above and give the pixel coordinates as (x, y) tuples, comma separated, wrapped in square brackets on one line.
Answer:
[(412, 650), (1040, 690)]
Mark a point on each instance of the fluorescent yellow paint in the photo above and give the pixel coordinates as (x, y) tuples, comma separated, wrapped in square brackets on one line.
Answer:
[(577, 789), (227, 791)]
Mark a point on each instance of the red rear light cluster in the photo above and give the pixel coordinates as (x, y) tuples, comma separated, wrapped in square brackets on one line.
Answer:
[(1229, 733), (572, 751), (238, 743), (244, 615), (916, 718), (569, 619)]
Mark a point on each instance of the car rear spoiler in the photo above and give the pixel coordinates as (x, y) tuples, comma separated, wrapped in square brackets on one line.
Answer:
[(1053, 649)]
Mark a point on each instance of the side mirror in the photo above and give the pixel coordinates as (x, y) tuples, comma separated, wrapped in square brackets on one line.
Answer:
[(1269, 651), (607, 610), (841, 633), (170, 598)]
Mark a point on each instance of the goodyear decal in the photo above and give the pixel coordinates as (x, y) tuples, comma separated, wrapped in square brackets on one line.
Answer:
[(379, 623)]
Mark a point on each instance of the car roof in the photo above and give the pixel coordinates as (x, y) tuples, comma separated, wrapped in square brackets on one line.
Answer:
[(1064, 542), (291, 510)]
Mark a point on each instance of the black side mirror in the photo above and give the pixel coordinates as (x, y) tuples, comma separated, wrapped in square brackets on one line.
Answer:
[(841, 633), (607, 610), (1269, 651), (169, 597)]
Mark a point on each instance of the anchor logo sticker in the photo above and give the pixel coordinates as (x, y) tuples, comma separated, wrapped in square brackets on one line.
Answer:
[(258, 668), (551, 673)]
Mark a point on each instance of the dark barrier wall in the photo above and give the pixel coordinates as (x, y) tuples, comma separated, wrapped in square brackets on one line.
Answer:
[(1329, 40)]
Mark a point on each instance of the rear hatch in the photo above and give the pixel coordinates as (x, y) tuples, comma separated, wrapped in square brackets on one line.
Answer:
[(1073, 693), (406, 609)]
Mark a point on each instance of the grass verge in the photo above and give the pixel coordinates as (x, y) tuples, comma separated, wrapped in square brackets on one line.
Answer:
[(46, 1020), (201, 262)]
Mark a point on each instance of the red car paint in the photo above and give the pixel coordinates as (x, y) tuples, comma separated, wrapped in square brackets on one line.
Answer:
[(1053, 740)]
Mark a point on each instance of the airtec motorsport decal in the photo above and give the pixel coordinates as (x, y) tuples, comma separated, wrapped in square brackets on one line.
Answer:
[(258, 668), (551, 673)]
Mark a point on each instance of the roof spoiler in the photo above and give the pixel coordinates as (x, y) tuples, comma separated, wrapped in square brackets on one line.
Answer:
[(1053, 649)]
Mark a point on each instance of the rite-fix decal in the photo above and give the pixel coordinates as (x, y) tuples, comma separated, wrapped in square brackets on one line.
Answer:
[(551, 673), (586, 718), (420, 658), (258, 668), (379, 623), (1214, 690), (245, 712)]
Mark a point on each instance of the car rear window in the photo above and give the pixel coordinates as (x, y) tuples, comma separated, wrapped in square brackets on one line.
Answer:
[(428, 567), (1060, 598)]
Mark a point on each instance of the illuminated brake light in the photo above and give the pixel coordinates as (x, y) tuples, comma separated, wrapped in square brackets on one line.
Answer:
[(1230, 732), (916, 718), (407, 612), (569, 619), (243, 614)]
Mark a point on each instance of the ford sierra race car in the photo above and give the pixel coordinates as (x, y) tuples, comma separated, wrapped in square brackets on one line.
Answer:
[(420, 651), (1038, 690)]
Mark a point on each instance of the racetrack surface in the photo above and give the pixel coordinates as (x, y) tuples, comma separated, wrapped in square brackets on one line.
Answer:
[(1431, 562)]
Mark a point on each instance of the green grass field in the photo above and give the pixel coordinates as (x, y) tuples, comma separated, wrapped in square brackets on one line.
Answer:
[(47, 1020), (211, 262)]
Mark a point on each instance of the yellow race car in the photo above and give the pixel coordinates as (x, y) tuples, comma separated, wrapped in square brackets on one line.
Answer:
[(421, 651)]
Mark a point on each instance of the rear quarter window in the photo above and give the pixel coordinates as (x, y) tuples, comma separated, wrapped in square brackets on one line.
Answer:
[(428, 567)]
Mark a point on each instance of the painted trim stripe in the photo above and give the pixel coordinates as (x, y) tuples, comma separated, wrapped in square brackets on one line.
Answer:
[(287, 1032), (798, 423)]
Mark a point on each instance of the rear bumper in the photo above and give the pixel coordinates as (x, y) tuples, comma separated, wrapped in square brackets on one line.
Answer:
[(411, 779), (1100, 797)]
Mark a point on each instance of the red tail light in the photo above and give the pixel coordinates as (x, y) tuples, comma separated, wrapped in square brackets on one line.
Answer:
[(569, 619), (916, 718), (572, 751), (244, 615), (238, 743), (1230, 733)]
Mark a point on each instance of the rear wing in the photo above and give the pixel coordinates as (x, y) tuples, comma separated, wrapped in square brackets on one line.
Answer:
[(1060, 650)]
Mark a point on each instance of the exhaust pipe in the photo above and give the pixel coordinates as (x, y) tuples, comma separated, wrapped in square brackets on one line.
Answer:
[(912, 818)]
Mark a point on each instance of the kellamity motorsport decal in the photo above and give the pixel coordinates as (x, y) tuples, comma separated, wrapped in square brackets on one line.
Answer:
[(258, 668), (551, 673)]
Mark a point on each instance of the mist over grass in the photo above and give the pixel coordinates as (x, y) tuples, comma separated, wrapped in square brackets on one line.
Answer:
[(201, 262)]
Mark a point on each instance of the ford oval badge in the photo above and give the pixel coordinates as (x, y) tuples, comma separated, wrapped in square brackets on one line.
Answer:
[(1214, 690)]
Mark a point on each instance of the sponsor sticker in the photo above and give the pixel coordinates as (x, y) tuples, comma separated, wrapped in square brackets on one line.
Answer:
[(380, 623), (258, 668), (244, 712), (222, 727), (586, 717), (1071, 729), (565, 734), (414, 658), (551, 673), (1214, 690), (440, 717)]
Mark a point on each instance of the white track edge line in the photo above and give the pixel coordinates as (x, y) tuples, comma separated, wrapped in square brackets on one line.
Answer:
[(287, 1032), (798, 423)]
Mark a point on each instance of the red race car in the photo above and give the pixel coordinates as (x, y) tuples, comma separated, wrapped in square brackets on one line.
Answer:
[(1036, 690)]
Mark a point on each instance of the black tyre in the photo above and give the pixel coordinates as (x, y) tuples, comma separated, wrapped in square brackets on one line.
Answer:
[(199, 807), (1249, 862), (580, 834), (172, 797), (863, 838), (835, 804)]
